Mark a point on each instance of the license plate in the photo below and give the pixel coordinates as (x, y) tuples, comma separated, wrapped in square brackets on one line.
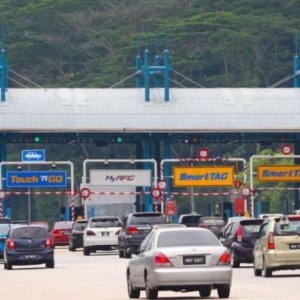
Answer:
[(105, 233), (194, 260), (30, 256), (294, 246)]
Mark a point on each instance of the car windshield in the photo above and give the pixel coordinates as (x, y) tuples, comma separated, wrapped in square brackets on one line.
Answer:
[(80, 226), (214, 221), (190, 221), (29, 233), (63, 225), (292, 228), (4, 229), (147, 219), (186, 238), (109, 222)]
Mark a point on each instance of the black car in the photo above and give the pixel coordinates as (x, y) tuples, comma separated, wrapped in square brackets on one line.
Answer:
[(238, 238), (28, 245), (135, 228), (214, 224), (76, 234)]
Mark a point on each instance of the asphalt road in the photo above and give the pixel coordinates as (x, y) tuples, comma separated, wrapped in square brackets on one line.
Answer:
[(101, 276)]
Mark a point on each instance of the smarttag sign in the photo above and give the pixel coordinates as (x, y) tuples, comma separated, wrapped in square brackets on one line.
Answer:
[(34, 179), (278, 173), (203, 176)]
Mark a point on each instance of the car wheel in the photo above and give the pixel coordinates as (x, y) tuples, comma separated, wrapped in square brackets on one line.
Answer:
[(126, 254), (150, 293), (223, 292), (121, 253), (72, 248), (5, 266), (256, 271), (132, 292), (8, 266), (50, 264), (86, 251), (205, 291), (267, 271), (234, 263)]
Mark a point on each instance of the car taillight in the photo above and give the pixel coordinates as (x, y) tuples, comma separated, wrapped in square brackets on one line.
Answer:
[(132, 230), (56, 231), (90, 232), (204, 225), (10, 244), (271, 241), (162, 261), (239, 234), (48, 243), (294, 218), (224, 259)]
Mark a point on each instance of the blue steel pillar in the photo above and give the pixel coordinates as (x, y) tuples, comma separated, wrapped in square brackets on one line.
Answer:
[(138, 66), (296, 63), (167, 75), (147, 76), (157, 76), (139, 155), (287, 207), (297, 184), (68, 213), (148, 155), (258, 209), (3, 158), (3, 71)]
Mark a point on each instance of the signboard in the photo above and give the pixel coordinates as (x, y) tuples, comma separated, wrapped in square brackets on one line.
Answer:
[(203, 153), (203, 176), (33, 155), (239, 206), (278, 173), (33, 179), (162, 184), (120, 177), (155, 193), (171, 208), (286, 149)]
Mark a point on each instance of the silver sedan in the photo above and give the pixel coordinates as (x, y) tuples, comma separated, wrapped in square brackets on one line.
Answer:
[(179, 259)]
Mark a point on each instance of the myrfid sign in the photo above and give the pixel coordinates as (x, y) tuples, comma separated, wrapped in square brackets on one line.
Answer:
[(203, 176), (34, 179)]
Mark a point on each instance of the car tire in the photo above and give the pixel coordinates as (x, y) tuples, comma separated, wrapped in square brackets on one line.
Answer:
[(150, 293), (8, 266), (267, 271), (256, 271), (223, 292), (5, 266), (86, 251), (72, 248), (205, 291), (132, 292), (50, 264), (126, 255), (234, 263), (121, 253)]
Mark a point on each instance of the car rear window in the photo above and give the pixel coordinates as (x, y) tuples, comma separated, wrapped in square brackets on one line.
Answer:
[(147, 219), (214, 221), (109, 222), (29, 233), (80, 226), (186, 238), (251, 226), (292, 228), (63, 225), (190, 221)]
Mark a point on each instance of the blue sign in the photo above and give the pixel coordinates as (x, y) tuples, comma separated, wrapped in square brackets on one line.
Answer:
[(33, 155), (34, 179)]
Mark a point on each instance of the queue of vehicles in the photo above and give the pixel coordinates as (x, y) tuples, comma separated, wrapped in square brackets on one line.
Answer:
[(196, 255)]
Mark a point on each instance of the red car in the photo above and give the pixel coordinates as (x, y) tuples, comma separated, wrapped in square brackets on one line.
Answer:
[(61, 232)]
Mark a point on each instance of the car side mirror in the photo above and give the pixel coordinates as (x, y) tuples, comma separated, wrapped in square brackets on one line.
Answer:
[(132, 250)]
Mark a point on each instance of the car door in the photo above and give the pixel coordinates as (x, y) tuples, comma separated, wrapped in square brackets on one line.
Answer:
[(259, 246), (227, 239), (138, 262)]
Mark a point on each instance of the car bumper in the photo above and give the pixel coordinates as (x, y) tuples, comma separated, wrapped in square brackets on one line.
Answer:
[(63, 241), (243, 255), (276, 263), (101, 241), (180, 277), (19, 258)]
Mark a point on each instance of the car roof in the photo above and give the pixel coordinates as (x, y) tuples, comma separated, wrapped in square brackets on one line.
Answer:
[(163, 229), (104, 217)]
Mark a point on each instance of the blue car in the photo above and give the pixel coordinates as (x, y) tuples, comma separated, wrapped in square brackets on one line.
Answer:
[(4, 228)]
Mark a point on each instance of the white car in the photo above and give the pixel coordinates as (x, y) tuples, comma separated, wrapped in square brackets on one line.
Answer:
[(297, 212), (101, 233), (33, 155)]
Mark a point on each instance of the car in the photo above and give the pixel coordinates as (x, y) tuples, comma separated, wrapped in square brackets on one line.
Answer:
[(277, 245), (179, 259), (238, 239), (33, 155), (4, 228), (214, 224), (28, 245), (22, 222), (135, 228), (76, 234), (190, 220), (297, 212), (101, 233), (60, 233), (264, 216), (5, 220)]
